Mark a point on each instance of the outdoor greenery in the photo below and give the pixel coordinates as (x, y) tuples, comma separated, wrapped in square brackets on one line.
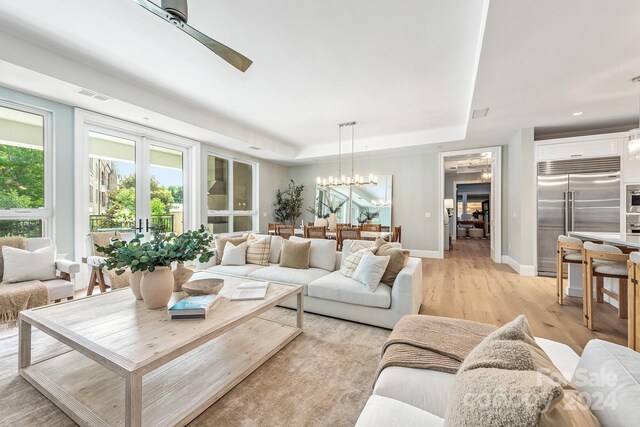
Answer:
[(160, 251), (21, 177), (288, 205)]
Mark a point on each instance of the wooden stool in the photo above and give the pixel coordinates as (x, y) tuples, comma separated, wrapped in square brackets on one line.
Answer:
[(602, 261), (97, 276), (634, 301), (570, 252)]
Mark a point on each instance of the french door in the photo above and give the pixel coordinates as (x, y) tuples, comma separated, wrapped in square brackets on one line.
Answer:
[(135, 183)]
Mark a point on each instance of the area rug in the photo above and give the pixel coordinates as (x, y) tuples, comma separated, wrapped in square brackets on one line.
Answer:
[(322, 378)]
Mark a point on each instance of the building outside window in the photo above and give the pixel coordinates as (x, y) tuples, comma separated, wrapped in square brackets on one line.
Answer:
[(231, 205), (25, 165)]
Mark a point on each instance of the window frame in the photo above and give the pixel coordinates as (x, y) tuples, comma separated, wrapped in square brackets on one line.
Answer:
[(232, 213), (46, 213)]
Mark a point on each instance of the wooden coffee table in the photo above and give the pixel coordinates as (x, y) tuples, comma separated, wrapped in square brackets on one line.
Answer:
[(128, 365)]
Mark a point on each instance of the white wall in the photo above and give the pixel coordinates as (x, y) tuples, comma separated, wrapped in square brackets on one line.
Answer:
[(415, 191), (519, 208)]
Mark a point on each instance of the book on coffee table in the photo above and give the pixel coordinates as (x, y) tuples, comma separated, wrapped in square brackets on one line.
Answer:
[(193, 307), (250, 291)]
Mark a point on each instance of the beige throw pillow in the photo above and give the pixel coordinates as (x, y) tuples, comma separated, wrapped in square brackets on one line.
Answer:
[(356, 251), (295, 254), (258, 248), (222, 241), (398, 259)]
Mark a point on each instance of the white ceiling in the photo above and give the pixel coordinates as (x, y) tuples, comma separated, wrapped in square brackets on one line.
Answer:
[(410, 71)]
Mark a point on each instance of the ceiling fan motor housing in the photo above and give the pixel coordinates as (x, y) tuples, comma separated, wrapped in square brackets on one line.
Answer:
[(176, 8)]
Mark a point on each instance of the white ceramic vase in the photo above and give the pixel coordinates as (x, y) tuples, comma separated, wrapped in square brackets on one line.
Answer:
[(321, 222), (134, 282), (156, 287), (333, 221)]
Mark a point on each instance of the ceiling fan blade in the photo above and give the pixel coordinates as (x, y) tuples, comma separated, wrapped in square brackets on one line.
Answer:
[(234, 58)]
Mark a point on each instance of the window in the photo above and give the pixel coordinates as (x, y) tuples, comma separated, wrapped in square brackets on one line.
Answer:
[(24, 164), (230, 195)]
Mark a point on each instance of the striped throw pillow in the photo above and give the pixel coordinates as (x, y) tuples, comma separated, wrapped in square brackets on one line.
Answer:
[(258, 250), (356, 251)]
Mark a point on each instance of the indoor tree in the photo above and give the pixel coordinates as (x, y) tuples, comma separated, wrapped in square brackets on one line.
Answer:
[(288, 205)]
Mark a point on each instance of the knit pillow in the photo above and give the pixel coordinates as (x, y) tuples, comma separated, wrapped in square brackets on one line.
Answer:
[(356, 251)]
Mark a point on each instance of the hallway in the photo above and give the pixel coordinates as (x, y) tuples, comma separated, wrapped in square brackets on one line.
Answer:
[(467, 284)]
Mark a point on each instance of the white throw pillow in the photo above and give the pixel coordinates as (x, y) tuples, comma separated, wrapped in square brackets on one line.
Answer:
[(323, 252), (234, 255), (21, 265), (371, 269), (350, 263)]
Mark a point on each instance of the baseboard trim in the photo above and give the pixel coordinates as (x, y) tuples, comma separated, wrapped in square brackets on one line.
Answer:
[(523, 270), (425, 254)]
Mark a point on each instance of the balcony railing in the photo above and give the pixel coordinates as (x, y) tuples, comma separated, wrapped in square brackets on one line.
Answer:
[(158, 223)]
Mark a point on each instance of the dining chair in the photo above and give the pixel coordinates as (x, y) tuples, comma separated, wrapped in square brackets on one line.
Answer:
[(285, 231), (348, 233), (569, 251), (397, 234), (372, 227), (315, 232), (602, 261), (634, 301), (272, 227), (343, 225), (386, 228)]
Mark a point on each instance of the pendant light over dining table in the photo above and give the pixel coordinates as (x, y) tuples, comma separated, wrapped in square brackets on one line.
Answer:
[(341, 180)]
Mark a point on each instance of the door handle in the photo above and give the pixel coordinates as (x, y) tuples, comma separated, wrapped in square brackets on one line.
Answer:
[(572, 195), (148, 228), (139, 227), (566, 212)]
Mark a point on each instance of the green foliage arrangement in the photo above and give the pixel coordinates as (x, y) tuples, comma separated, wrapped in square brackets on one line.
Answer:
[(160, 251), (330, 206), (367, 215), (288, 205)]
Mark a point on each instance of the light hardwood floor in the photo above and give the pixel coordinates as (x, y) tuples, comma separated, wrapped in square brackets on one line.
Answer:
[(468, 285)]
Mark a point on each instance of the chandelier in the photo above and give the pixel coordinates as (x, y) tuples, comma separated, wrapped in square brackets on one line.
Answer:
[(486, 175), (381, 203), (342, 180)]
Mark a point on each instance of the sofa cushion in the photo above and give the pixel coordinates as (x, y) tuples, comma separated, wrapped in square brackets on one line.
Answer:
[(59, 289), (295, 254), (323, 252), (609, 375), (234, 270), (383, 412), (398, 259), (222, 241), (366, 243), (335, 287), (293, 276)]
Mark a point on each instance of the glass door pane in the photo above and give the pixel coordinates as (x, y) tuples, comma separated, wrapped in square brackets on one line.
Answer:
[(166, 189), (112, 182), (242, 187)]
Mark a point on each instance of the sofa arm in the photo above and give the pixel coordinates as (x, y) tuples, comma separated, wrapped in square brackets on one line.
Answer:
[(201, 266), (66, 266), (406, 293)]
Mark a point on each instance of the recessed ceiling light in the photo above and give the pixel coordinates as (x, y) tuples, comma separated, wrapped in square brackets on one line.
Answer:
[(578, 113), (145, 118)]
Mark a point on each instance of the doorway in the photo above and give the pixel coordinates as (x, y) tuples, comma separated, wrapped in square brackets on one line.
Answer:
[(470, 202)]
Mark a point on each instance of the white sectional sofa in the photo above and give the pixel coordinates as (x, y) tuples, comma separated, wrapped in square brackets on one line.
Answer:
[(329, 293), (607, 374)]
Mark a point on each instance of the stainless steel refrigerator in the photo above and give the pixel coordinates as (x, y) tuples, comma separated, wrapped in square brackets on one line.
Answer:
[(575, 195)]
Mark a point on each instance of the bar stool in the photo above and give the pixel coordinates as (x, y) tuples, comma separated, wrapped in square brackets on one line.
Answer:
[(602, 261), (634, 301), (570, 252), (462, 232)]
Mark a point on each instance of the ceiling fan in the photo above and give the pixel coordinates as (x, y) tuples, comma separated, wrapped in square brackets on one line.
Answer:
[(176, 12)]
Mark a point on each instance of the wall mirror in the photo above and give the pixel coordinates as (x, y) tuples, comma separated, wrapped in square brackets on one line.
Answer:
[(357, 204)]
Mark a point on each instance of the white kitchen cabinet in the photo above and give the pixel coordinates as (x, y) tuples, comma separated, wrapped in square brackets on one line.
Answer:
[(579, 148)]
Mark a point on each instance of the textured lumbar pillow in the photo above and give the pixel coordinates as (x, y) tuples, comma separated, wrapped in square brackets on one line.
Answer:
[(350, 263), (323, 252), (221, 243), (234, 255), (370, 270), (398, 259), (21, 265), (295, 254), (258, 248)]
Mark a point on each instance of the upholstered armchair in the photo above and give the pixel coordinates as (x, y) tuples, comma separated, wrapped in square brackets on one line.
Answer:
[(62, 286), (102, 277)]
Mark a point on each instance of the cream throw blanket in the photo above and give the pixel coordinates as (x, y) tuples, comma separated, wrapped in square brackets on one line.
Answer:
[(430, 342)]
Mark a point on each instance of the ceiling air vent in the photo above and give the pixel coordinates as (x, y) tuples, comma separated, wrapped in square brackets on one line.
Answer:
[(95, 95), (253, 147), (479, 114)]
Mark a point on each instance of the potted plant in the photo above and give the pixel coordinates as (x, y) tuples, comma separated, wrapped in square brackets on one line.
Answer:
[(476, 214), (366, 215), (189, 246), (288, 205), (153, 259)]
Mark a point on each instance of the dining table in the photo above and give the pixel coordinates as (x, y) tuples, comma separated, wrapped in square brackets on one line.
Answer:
[(365, 235)]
